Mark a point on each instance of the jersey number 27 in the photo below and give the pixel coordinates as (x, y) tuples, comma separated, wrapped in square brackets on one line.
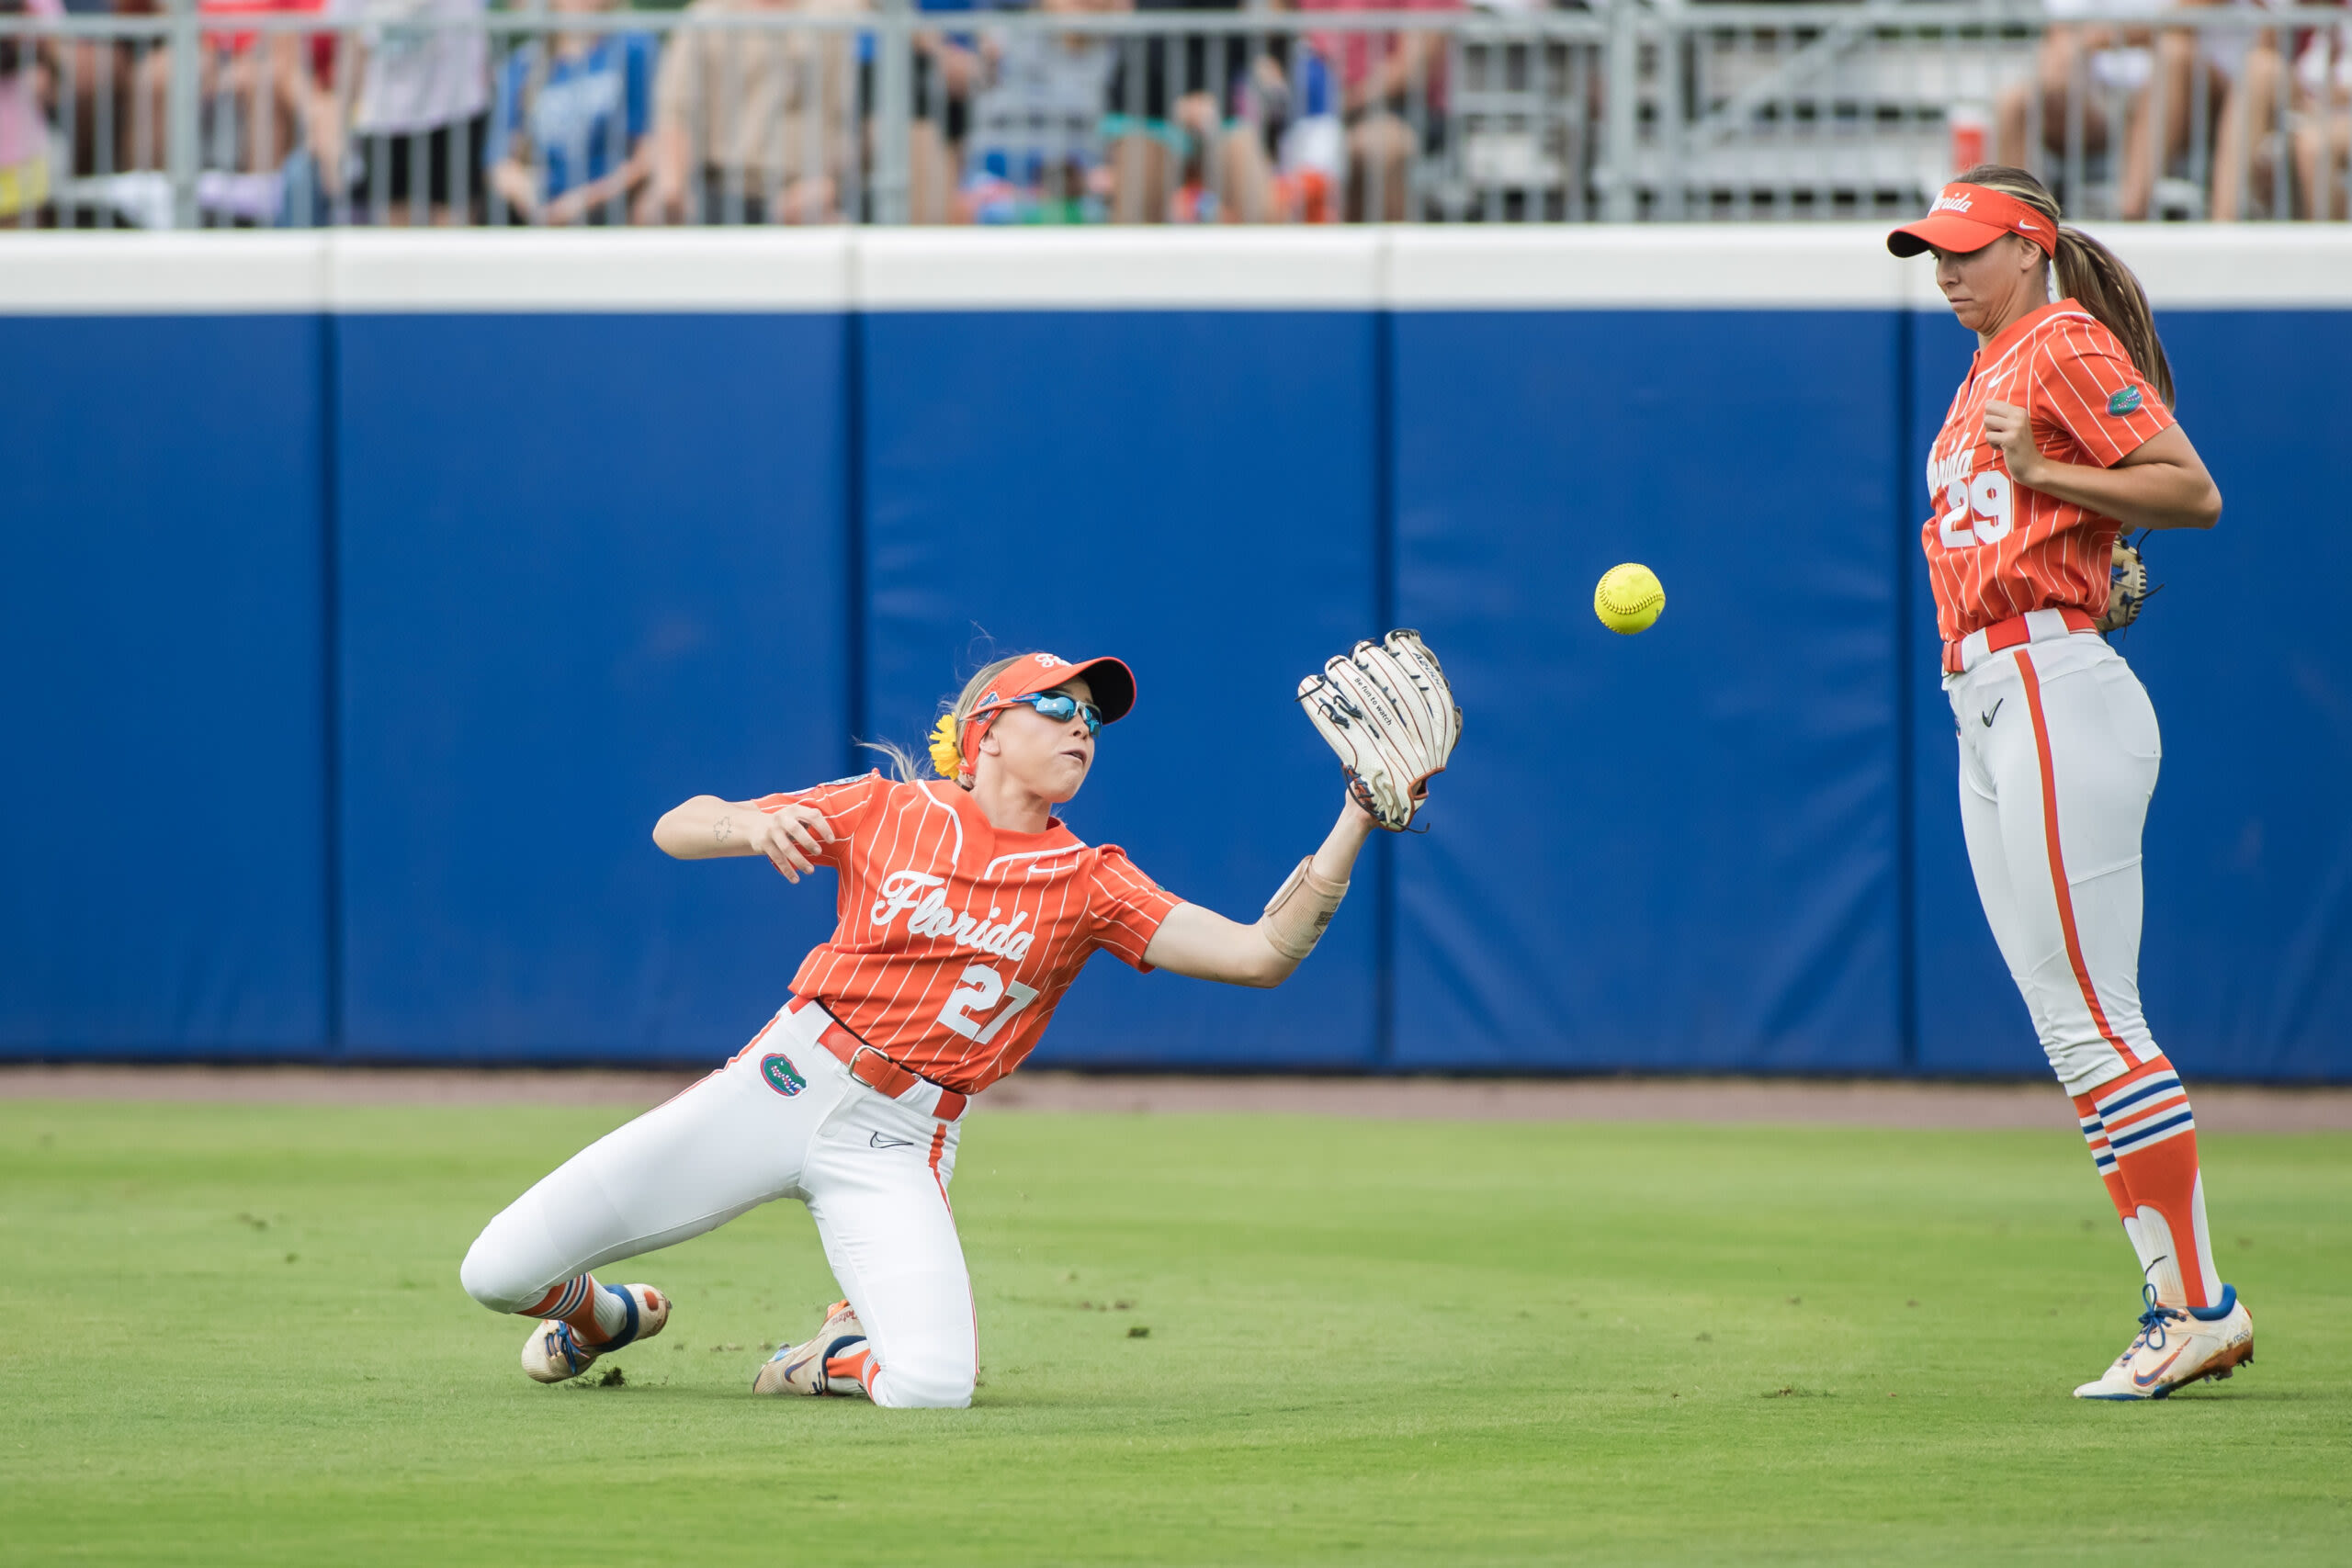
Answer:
[(981, 989), (1980, 511)]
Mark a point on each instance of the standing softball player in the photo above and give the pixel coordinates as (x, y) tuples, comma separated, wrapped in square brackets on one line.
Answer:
[(966, 909), (2062, 437)]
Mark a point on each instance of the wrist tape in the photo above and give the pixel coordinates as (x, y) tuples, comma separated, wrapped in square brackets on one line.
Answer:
[(1299, 910)]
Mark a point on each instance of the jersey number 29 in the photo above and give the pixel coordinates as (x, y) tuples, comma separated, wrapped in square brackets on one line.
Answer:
[(1980, 511), (981, 989)]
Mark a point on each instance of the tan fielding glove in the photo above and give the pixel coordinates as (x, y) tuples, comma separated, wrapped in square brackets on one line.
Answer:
[(1386, 707), (2127, 588)]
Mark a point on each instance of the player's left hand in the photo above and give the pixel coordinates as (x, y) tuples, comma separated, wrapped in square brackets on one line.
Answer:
[(2009, 431)]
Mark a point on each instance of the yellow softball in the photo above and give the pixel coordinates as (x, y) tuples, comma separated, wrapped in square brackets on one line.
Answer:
[(1629, 599)]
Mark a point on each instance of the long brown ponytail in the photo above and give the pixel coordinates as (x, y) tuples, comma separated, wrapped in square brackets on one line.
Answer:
[(2089, 272)]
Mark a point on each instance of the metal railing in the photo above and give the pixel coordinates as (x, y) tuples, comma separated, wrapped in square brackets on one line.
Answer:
[(417, 111)]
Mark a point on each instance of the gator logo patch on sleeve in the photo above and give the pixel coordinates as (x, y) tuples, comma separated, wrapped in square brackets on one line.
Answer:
[(2123, 402), (782, 1076)]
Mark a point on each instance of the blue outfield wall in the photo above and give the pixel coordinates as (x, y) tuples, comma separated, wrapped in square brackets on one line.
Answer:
[(1677, 849), (392, 585), (163, 810), (2250, 865), (587, 566), (1040, 480)]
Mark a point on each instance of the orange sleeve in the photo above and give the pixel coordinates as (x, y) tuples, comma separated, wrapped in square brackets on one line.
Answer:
[(2087, 386), (1127, 906), (844, 802)]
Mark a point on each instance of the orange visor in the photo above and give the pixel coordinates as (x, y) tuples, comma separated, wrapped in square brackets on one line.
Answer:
[(1968, 217), (1113, 684)]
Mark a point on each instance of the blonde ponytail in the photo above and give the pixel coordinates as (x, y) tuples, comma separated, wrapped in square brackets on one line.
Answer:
[(2089, 272), (944, 744)]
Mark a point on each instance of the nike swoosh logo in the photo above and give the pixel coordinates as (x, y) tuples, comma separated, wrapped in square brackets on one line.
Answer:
[(1991, 710), (2157, 1376), (880, 1141)]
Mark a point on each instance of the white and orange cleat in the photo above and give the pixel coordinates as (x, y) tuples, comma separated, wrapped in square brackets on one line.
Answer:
[(555, 1352), (2175, 1346), (834, 1362)]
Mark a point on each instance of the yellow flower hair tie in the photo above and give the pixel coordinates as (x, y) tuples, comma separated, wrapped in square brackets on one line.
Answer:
[(946, 755)]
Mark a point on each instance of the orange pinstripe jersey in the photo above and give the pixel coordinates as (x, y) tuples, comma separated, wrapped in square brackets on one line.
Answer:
[(1997, 549), (955, 941)]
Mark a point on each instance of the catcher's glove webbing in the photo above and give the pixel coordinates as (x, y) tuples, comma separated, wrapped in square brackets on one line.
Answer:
[(2127, 588), (1386, 709)]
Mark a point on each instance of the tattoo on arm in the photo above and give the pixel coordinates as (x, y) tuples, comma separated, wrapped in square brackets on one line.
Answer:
[(723, 829)]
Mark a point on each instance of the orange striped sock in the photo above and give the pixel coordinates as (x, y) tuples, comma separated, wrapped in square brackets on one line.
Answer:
[(594, 1313), (2152, 1137), (858, 1367), (2103, 1157)]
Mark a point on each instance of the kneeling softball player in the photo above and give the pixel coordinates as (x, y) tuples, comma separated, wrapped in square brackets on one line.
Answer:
[(966, 909)]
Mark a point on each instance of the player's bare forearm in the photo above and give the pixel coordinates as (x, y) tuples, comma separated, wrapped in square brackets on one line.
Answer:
[(2143, 495), (704, 828), (1337, 859), (2162, 484), (707, 828), (1206, 945)]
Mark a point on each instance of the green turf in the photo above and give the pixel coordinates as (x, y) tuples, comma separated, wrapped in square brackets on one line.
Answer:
[(237, 1335)]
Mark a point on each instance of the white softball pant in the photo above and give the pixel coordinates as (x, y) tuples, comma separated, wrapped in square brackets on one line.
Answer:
[(2058, 758), (873, 1173)]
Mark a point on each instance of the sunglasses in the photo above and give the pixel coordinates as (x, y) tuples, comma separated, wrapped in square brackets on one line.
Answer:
[(1061, 707)]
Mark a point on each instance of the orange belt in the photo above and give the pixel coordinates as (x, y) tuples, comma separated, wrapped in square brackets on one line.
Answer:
[(869, 1067), (2014, 632)]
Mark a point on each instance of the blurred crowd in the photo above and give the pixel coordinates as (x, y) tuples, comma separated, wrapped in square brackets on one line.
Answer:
[(410, 110), (2267, 112), (415, 111)]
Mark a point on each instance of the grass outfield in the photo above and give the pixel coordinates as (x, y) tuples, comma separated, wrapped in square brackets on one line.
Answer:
[(237, 1335)]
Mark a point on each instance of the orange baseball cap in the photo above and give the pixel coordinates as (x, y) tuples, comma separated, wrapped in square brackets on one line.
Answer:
[(1112, 682), (1968, 217)]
